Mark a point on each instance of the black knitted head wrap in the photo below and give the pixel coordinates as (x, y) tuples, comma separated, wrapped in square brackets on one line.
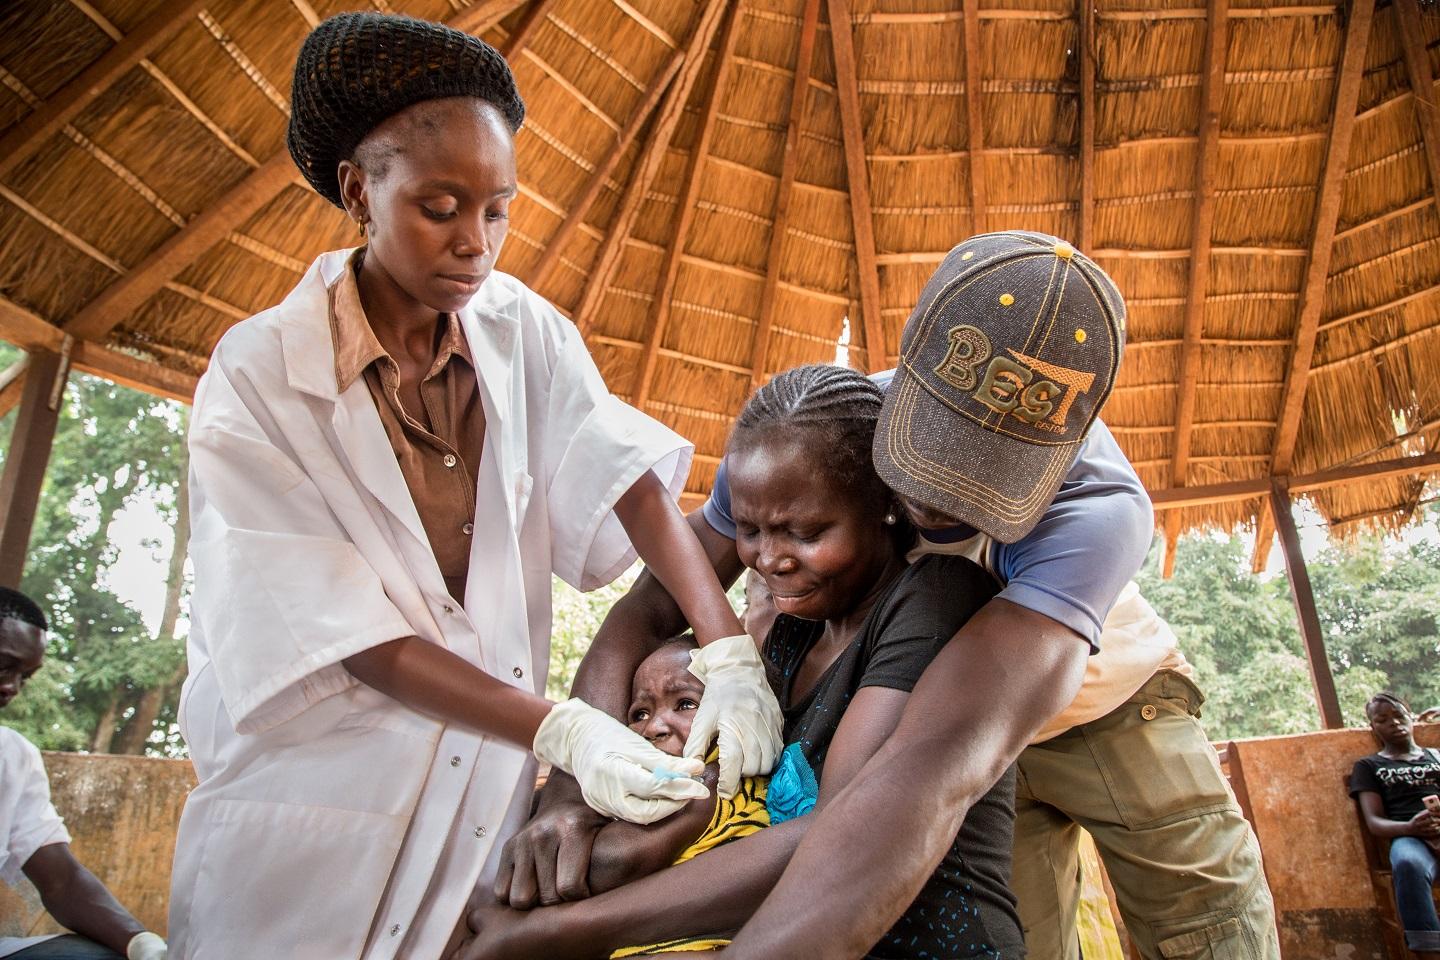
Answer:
[(357, 69)]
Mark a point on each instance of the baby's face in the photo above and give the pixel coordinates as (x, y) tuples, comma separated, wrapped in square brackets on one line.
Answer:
[(663, 698)]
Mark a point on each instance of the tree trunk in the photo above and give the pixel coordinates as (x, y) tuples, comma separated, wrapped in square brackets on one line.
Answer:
[(136, 732), (105, 726)]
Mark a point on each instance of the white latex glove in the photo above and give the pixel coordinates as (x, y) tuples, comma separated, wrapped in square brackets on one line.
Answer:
[(146, 946), (615, 765), (738, 708)]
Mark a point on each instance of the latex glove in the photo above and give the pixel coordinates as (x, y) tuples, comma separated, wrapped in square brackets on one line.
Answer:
[(738, 708), (146, 946), (615, 765)]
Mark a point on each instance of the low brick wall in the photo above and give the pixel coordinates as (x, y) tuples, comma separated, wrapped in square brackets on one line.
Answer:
[(122, 813)]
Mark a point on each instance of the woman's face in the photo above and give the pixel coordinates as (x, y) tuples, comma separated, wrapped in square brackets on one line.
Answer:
[(433, 185), (820, 546), (1391, 725)]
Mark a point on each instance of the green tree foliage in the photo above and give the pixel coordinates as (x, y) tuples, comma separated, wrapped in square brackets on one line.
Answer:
[(113, 447), (1377, 602)]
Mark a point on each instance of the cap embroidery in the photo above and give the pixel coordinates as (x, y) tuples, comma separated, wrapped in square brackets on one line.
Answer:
[(1077, 382), (1007, 388), (969, 348)]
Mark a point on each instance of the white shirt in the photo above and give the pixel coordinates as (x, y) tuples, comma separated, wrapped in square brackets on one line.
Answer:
[(330, 821), (28, 820)]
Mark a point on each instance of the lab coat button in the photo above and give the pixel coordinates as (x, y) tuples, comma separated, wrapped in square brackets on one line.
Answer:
[(395, 930), (449, 610), (479, 833), (468, 529), (450, 460), (518, 673), (454, 761)]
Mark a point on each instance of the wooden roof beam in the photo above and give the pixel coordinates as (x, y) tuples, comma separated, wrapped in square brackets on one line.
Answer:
[(685, 213), (780, 222), (12, 384), (1317, 269), (1086, 236), (1422, 82), (1207, 156), (974, 123), (122, 298), (525, 29), (857, 175), (31, 332), (555, 247), (1178, 498), (648, 165), (27, 136), (479, 17)]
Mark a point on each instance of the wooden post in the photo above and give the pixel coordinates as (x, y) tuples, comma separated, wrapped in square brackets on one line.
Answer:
[(1304, 599), (28, 457)]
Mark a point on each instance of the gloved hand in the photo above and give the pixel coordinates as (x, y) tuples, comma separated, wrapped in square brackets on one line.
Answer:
[(146, 946), (739, 708), (615, 765)]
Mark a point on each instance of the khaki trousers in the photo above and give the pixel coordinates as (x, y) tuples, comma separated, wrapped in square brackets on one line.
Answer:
[(1145, 782)]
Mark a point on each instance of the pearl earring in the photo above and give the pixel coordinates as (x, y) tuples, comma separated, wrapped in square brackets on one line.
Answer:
[(890, 518)]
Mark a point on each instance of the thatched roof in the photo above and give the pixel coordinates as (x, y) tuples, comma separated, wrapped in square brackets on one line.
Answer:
[(1259, 178)]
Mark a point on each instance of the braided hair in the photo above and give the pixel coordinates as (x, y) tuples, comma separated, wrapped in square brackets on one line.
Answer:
[(836, 409), (14, 605), (1395, 702), (356, 70)]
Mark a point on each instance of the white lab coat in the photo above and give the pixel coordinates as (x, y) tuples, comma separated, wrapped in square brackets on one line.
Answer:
[(331, 822)]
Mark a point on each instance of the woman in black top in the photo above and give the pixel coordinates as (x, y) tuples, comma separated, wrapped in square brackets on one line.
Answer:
[(856, 629), (1390, 786)]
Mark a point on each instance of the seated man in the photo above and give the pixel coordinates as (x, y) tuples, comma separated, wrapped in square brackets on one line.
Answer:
[(32, 836)]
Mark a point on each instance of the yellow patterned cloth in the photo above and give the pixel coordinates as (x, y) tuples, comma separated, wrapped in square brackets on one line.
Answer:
[(739, 816), (1099, 939)]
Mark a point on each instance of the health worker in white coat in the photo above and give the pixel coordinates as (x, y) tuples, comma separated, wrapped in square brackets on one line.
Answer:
[(387, 468)]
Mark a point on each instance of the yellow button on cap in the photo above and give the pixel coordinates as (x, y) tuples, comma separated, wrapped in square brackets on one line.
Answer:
[(1064, 251), (1006, 299)]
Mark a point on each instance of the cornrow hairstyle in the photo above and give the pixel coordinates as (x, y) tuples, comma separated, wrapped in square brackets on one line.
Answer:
[(14, 605), (355, 70), (1395, 702), (838, 407)]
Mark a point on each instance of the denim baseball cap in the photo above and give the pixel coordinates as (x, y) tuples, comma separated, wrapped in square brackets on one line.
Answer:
[(1004, 364)]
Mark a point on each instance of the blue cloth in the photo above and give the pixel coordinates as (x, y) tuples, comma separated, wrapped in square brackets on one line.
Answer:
[(69, 947), (1413, 865), (792, 791), (1071, 567)]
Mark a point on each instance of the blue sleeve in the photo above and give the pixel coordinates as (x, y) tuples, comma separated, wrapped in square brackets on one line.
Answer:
[(1089, 544), (717, 507)]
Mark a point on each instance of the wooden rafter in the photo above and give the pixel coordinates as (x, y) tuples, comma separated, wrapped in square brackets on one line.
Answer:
[(1321, 676), (1317, 270), (1233, 490), (127, 294), (685, 214), (525, 30), (479, 17), (1086, 237), (34, 333), (648, 165), (790, 161), (27, 136), (1212, 99), (847, 89), (12, 382), (1422, 82), (974, 122), (555, 247)]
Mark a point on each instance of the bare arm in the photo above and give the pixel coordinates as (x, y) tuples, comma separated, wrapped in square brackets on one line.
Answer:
[(677, 559), (1424, 824), (625, 852), (78, 900), (666, 905), (870, 850)]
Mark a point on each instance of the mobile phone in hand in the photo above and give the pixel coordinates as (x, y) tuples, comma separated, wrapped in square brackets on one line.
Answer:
[(1432, 803)]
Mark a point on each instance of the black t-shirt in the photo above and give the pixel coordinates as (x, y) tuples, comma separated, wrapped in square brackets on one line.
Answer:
[(1400, 783), (966, 908)]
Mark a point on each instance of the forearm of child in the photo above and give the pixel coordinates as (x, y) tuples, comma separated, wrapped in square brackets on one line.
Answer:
[(625, 852), (675, 556), (431, 680), (78, 900)]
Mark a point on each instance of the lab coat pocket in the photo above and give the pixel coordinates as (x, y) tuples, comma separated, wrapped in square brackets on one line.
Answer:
[(324, 870)]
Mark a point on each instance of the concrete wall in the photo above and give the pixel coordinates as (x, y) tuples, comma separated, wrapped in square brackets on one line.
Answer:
[(122, 813), (1311, 839)]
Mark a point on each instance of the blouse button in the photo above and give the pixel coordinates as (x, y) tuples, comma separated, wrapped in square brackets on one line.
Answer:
[(518, 673), (450, 460), (468, 529)]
